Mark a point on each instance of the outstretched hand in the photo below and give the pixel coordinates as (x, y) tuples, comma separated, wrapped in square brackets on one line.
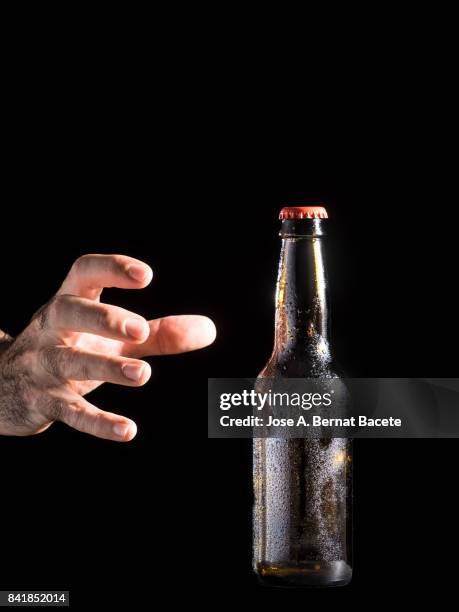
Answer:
[(75, 343)]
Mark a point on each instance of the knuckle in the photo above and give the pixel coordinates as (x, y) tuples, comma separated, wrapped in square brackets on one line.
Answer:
[(117, 261), (109, 366), (56, 410), (71, 413), (59, 309), (98, 423), (161, 335), (103, 319), (81, 264), (45, 314), (77, 364), (51, 361), (58, 302), (13, 359), (114, 264), (64, 363), (84, 370), (77, 415)]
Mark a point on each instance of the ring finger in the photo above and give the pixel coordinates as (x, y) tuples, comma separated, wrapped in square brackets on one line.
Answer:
[(75, 364)]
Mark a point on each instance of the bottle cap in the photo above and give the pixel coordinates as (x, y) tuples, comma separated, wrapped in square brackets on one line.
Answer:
[(303, 212)]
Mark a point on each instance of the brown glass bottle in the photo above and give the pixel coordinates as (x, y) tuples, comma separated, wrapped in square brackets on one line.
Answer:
[(302, 517)]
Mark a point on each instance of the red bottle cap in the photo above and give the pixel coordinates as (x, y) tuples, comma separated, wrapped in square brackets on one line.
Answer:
[(303, 212)]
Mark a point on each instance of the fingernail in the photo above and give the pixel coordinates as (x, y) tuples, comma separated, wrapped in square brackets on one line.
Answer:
[(138, 273), (121, 429), (133, 371), (125, 431), (136, 328)]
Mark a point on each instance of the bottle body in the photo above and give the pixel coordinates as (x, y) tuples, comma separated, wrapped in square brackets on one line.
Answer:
[(302, 519)]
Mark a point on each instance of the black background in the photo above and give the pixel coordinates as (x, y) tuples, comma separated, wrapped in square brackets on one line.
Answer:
[(187, 170)]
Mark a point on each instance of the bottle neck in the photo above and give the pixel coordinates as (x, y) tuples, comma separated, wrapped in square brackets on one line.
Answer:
[(301, 297)]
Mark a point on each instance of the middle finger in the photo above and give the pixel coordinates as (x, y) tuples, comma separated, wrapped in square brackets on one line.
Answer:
[(69, 313)]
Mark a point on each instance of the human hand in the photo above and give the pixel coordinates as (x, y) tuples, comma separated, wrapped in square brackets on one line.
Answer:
[(75, 343)]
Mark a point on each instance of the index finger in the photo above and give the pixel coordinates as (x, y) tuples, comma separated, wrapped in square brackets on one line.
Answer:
[(91, 273)]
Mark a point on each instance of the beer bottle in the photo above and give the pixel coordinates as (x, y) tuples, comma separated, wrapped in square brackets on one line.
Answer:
[(302, 487)]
